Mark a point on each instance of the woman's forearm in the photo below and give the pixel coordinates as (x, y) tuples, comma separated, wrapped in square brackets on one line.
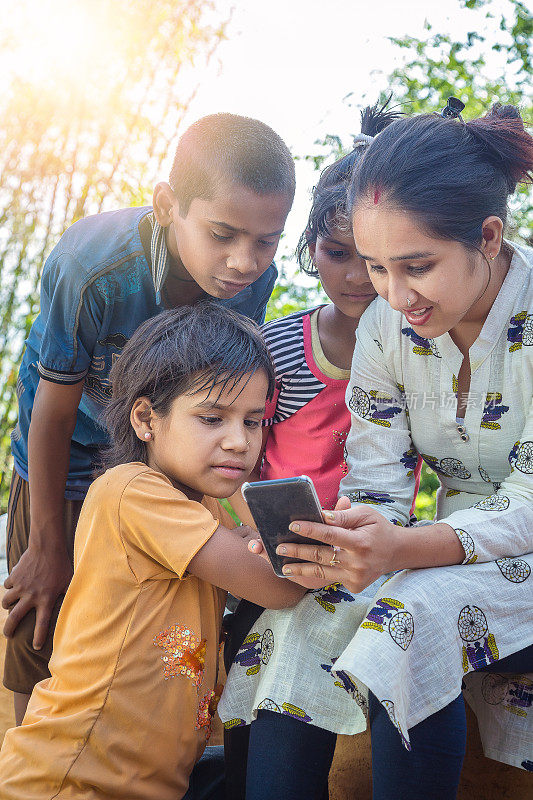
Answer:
[(426, 546)]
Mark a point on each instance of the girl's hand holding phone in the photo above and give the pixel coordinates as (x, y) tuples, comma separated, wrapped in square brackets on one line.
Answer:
[(256, 546)]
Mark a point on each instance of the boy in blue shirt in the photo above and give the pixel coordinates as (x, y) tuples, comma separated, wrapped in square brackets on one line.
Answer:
[(212, 232)]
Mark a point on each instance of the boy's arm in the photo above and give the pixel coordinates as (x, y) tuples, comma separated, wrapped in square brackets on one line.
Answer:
[(226, 562), (44, 570)]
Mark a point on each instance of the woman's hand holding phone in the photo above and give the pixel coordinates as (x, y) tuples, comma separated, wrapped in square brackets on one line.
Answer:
[(307, 581), (275, 505)]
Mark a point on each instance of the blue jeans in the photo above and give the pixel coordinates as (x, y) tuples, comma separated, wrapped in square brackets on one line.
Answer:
[(290, 760), (207, 778)]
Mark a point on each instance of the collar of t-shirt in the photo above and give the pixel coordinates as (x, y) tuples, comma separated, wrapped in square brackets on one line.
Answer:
[(323, 363), (155, 249)]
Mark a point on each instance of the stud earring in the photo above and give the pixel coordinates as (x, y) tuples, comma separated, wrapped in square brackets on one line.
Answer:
[(492, 256), (147, 435), (409, 303)]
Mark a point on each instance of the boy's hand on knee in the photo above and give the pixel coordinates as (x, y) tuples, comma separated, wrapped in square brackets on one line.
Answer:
[(36, 581)]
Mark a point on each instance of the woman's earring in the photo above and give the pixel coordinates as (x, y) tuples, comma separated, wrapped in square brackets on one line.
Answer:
[(492, 256), (147, 435), (409, 302)]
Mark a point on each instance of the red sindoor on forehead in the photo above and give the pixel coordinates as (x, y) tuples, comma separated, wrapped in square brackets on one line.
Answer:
[(377, 195)]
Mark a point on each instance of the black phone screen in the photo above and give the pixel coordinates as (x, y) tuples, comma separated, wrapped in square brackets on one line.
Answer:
[(274, 505)]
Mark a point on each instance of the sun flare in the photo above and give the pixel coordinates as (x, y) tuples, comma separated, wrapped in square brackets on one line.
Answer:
[(62, 39)]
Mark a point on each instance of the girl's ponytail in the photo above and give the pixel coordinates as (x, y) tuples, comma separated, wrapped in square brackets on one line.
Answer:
[(507, 145), (376, 118), (330, 193)]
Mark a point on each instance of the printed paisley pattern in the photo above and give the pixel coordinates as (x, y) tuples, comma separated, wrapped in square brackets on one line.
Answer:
[(521, 457), (421, 346), (255, 650), (520, 331), (451, 467), (495, 502), (480, 648), (410, 460), (375, 498), (332, 595), (515, 570), (389, 614), (345, 682), (468, 546), (493, 411), (375, 406)]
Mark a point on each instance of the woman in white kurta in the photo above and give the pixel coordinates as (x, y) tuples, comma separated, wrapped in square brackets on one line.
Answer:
[(443, 367)]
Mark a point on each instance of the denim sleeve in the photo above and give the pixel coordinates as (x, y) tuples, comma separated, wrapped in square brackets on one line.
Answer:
[(71, 316)]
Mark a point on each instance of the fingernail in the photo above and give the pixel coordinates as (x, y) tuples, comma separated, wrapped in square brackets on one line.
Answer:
[(287, 571), (329, 515), (294, 527), (281, 550)]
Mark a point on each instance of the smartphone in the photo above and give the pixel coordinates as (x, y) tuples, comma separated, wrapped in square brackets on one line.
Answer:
[(274, 505)]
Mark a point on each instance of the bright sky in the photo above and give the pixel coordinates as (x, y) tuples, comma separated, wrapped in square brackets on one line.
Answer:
[(303, 66)]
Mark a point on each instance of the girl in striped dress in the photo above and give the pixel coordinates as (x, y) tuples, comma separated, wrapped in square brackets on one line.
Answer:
[(305, 428)]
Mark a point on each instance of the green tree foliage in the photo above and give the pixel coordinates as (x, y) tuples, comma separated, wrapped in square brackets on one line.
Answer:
[(288, 297), (492, 64), (91, 136)]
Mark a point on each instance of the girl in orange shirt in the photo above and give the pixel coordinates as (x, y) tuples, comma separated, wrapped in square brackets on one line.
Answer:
[(126, 712)]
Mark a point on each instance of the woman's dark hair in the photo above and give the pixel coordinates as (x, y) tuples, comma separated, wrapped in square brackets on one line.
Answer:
[(182, 351), (329, 195), (449, 174)]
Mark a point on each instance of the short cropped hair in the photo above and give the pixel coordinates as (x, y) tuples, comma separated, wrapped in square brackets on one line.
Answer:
[(230, 147)]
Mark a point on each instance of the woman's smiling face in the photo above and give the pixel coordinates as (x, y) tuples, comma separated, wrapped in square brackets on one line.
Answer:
[(435, 283)]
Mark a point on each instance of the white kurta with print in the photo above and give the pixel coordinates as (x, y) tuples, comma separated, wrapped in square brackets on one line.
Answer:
[(425, 629), (429, 628)]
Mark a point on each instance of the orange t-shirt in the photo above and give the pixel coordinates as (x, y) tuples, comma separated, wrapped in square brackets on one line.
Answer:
[(125, 711)]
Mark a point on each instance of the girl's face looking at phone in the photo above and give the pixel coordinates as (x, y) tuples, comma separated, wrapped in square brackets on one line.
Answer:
[(209, 442), (343, 273)]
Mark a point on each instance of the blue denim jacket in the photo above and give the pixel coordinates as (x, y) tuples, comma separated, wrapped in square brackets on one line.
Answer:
[(96, 289)]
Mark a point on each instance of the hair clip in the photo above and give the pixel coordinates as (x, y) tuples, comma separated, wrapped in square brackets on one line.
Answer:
[(453, 109), (362, 140)]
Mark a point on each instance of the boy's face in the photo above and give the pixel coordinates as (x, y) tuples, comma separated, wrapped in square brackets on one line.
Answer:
[(226, 243), (209, 442)]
